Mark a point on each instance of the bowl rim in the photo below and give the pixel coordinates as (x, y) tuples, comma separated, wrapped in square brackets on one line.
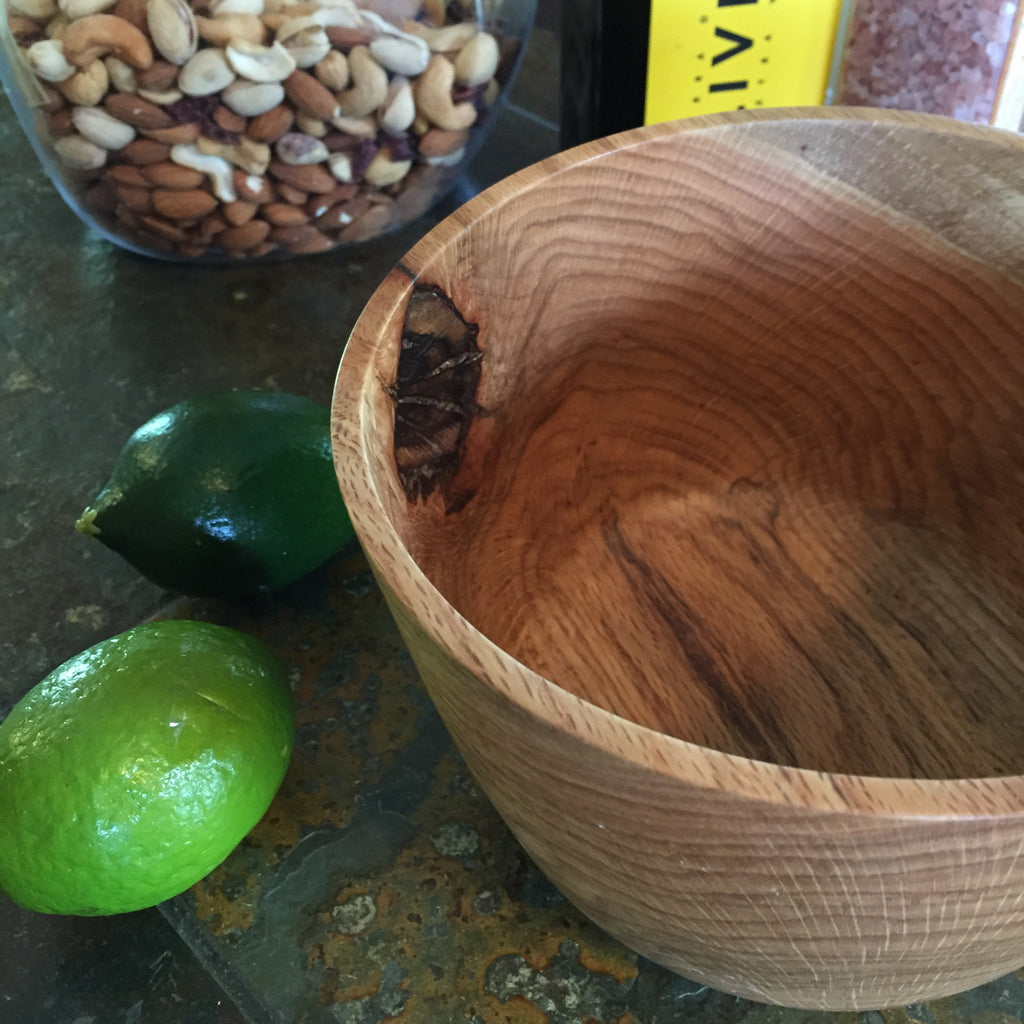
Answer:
[(641, 747)]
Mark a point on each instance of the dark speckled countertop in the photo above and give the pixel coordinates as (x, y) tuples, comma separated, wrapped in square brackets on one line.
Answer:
[(381, 885)]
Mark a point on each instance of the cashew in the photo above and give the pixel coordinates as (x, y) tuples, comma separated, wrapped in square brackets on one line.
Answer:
[(398, 111), (369, 86), (46, 58), (230, 28), (102, 128), (251, 157), (161, 97), (173, 29), (361, 127), (305, 40), (99, 34), (478, 60), (122, 76), (220, 7), (80, 8), (57, 27), (403, 54), (433, 92), (451, 37), (332, 71), (250, 99), (216, 168), (340, 166), (37, 9), (260, 63), (205, 73), (384, 171), (88, 86), (310, 125), (298, 149), (78, 152)]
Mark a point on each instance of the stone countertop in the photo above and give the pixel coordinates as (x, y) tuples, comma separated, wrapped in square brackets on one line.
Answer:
[(381, 884)]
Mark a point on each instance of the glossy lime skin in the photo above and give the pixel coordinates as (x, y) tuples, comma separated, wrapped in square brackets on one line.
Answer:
[(225, 494), (133, 769)]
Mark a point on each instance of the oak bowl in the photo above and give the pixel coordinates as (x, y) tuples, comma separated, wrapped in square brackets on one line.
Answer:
[(691, 464)]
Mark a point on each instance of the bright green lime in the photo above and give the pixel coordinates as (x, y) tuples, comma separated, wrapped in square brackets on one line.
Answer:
[(225, 494), (133, 769)]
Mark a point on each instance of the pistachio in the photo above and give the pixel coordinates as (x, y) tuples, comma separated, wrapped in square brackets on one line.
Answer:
[(252, 98), (46, 58), (299, 149), (260, 63), (173, 29), (205, 72), (216, 168)]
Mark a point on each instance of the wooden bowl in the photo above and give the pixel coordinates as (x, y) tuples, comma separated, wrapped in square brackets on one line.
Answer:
[(691, 463)]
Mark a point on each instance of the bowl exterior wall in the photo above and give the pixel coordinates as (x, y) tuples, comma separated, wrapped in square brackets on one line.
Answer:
[(793, 906)]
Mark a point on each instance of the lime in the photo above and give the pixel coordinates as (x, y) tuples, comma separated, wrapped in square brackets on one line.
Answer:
[(224, 494), (133, 769)]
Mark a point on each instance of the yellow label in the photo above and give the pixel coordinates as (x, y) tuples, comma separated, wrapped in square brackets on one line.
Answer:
[(706, 56)]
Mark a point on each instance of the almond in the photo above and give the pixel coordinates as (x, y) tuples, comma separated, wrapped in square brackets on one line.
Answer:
[(136, 111), (179, 133), (310, 96), (321, 202), (252, 187), (302, 238), (229, 120), (160, 76), (163, 228), (183, 204), (172, 175), (270, 126), (142, 152), (308, 177), (290, 194), (126, 174), (243, 237), (138, 199), (283, 214), (441, 142), (344, 38), (239, 212)]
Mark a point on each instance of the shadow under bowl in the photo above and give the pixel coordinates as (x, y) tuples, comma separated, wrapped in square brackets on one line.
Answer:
[(691, 463)]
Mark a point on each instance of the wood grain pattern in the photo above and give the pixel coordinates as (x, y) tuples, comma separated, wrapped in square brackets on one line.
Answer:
[(731, 627)]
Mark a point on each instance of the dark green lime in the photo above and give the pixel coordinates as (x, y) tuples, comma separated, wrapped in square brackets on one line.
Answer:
[(225, 494)]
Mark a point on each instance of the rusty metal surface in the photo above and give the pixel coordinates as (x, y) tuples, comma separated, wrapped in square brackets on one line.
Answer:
[(382, 885)]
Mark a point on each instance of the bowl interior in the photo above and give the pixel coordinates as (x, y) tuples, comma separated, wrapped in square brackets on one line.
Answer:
[(748, 467)]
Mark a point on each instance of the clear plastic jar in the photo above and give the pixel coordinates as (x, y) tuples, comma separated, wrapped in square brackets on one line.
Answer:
[(225, 129), (959, 58)]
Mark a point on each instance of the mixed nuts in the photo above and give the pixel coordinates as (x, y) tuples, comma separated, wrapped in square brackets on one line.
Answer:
[(241, 128)]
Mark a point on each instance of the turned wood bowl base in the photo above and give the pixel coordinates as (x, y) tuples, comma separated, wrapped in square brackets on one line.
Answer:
[(691, 463)]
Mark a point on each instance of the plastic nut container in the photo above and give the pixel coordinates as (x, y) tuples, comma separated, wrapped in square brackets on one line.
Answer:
[(227, 129)]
